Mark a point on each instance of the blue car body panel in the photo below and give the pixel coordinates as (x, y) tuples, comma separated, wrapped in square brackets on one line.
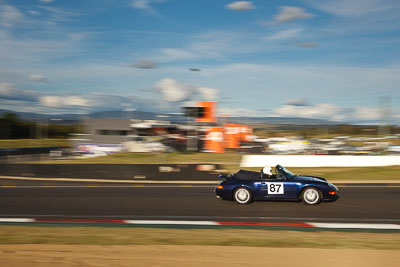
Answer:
[(282, 186)]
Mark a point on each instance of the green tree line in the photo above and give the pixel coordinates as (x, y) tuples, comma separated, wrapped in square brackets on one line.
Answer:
[(11, 127)]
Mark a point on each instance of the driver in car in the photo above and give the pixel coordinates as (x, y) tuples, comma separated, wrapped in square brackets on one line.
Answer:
[(266, 173)]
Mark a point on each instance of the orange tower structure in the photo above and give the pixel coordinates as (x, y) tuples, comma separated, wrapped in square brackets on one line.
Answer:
[(214, 140), (208, 112)]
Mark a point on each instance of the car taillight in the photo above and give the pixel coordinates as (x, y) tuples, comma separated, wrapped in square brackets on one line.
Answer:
[(220, 187), (332, 193)]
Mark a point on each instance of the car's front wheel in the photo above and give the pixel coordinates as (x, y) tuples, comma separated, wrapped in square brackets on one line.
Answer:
[(311, 196), (242, 195)]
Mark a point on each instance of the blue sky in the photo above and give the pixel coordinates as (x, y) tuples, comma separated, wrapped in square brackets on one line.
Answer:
[(331, 59)]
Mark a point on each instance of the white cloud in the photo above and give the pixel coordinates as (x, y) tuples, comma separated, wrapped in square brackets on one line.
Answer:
[(173, 91), (56, 14), (10, 16), (80, 103), (360, 17), (46, 1), (9, 92), (38, 78), (208, 94), (285, 34), (101, 102), (240, 5), (289, 13), (352, 8), (221, 44), (76, 101), (141, 4), (210, 45), (51, 101), (330, 112), (366, 113), (63, 101), (24, 49), (34, 12), (323, 110), (145, 5), (172, 54)]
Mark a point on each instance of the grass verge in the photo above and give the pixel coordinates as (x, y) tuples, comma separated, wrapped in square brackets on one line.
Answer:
[(220, 237)]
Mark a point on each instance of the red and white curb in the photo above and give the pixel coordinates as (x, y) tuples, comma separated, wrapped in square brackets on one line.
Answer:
[(371, 226)]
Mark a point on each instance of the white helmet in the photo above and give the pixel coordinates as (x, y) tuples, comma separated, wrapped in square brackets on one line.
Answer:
[(267, 171)]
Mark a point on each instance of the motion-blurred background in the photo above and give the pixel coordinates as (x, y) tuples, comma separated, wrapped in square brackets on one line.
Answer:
[(157, 76)]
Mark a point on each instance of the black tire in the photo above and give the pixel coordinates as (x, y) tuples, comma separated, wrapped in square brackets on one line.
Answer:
[(242, 195), (311, 196)]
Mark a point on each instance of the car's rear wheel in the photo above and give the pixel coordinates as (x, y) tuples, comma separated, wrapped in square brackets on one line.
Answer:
[(311, 196), (242, 195)]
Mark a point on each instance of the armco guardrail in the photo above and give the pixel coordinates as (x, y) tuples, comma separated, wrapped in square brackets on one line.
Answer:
[(161, 172), (318, 161)]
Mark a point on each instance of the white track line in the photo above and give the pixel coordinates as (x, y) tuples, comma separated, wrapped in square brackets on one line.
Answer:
[(17, 220), (165, 222), (356, 226), (106, 180)]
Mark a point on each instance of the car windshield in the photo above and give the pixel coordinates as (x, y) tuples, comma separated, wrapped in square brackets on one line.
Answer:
[(282, 171)]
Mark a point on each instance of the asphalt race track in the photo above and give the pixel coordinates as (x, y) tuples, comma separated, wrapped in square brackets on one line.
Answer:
[(358, 203)]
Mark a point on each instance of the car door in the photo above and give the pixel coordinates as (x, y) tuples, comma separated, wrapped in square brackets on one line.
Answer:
[(278, 188), (259, 187)]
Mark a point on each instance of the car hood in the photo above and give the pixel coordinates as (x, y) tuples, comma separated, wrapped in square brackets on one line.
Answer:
[(310, 178)]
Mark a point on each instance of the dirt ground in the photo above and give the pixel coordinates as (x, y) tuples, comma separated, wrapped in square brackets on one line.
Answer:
[(172, 255)]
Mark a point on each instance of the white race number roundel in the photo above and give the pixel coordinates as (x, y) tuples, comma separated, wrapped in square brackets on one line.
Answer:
[(275, 188)]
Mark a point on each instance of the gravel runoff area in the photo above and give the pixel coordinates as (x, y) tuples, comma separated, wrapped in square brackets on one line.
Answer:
[(174, 255)]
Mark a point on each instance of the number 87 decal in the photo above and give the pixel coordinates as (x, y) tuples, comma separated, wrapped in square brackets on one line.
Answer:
[(275, 188)]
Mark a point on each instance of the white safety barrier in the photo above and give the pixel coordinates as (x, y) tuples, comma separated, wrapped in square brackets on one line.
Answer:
[(318, 161)]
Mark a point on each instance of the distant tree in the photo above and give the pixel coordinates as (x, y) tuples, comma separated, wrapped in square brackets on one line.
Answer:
[(10, 117), (7, 124), (11, 127)]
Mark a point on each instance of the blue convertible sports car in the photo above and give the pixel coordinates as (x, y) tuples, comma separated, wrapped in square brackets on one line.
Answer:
[(245, 186)]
